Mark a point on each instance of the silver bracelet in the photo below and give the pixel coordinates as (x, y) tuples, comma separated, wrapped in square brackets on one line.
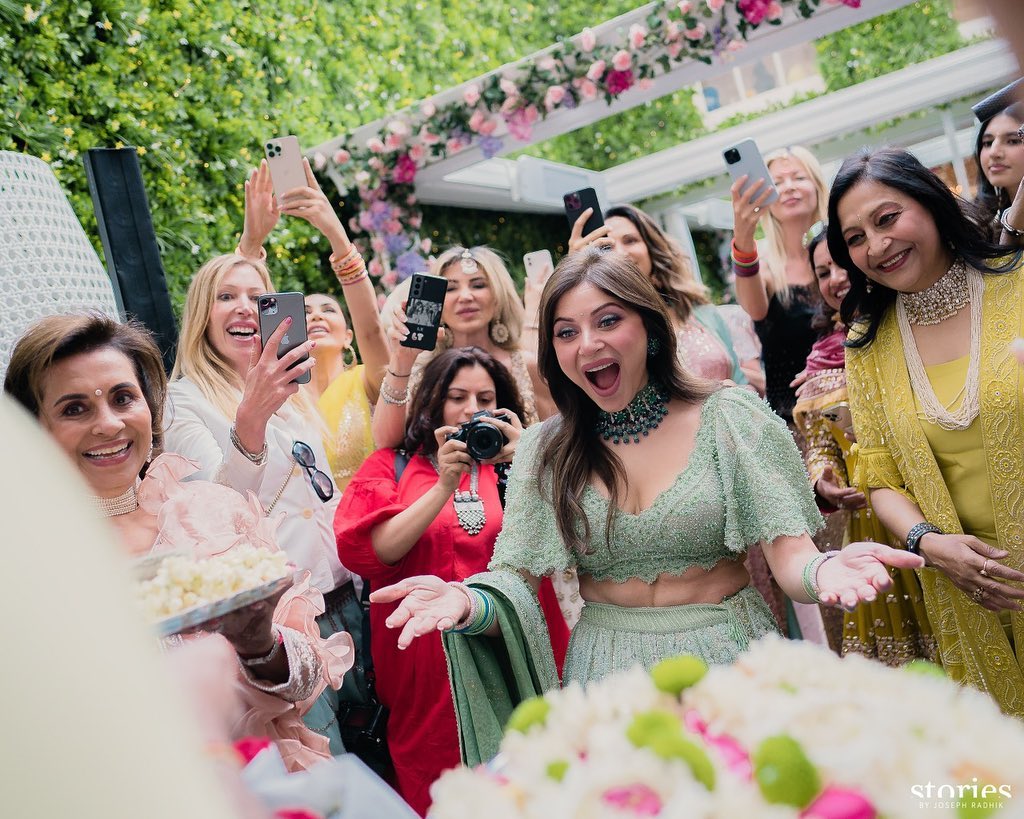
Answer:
[(390, 396), (259, 458), (1016, 234)]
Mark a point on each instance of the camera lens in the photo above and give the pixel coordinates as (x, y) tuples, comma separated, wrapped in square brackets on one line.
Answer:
[(732, 156), (484, 441), (573, 200)]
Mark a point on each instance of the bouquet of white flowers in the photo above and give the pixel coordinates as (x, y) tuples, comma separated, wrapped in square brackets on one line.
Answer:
[(788, 730)]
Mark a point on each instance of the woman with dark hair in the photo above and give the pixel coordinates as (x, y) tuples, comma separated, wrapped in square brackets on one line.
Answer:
[(703, 341), (999, 153), (654, 486), (936, 402), (430, 508), (893, 629), (98, 387)]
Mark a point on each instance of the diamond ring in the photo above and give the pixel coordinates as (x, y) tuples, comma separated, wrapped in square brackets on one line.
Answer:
[(978, 594), (757, 210)]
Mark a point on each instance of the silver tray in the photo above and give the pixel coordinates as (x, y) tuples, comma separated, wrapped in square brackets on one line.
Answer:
[(196, 616)]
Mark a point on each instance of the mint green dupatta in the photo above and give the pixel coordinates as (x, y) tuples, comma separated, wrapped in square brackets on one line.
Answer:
[(491, 675)]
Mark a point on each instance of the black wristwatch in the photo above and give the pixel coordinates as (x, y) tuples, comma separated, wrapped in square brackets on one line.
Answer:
[(917, 532)]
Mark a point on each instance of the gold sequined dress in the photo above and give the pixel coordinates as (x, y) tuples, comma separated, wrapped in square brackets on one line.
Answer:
[(346, 411)]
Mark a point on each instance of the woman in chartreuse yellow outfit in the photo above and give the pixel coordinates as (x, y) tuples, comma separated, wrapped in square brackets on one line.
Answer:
[(937, 405)]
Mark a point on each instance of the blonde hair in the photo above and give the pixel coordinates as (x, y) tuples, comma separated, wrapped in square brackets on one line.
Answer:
[(508, 309), (774, 251), (198, 360)]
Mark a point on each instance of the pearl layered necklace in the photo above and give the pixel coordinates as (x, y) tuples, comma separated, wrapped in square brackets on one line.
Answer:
[(123, 504)]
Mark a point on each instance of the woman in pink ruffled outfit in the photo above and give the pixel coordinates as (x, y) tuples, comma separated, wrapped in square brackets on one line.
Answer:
[(98, 387)]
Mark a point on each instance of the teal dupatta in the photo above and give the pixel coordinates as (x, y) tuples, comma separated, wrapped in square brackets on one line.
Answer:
[(490, 676)]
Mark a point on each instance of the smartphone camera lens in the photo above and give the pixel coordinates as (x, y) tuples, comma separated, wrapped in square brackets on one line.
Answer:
[(573, 201), (732, 156), (273, 149), (268, 307)]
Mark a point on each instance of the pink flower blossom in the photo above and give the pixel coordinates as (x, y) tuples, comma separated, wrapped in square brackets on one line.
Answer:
[(520, 122), (453, 146), (354, 226), (428, 137), (774, 10), (755, 11), (375, 267), (341, 156), (736, 45), (471, 94), (488, 126), (675, 49), (377, 243), (476, 120), (638, 799), (715, 5), (508, 87), (389, 279), (547, 63), (410, 200), (362, 177), (671, 30), (554, 96), (622, 60), (400, 127), (417, 153), (587, 89), (645, 84), (415, 220), (685, 6), (393, 227), (696, 33), (376, 163), (394, 141), (405, 170), (596, 70), (618, 81), (839, 803), (319, 161), (428, 109), (426, 245), (509, 105), (375, 144), (637, 35), (587, 40)]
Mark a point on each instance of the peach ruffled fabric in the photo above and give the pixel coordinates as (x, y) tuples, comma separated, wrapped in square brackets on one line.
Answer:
[(203, 519)]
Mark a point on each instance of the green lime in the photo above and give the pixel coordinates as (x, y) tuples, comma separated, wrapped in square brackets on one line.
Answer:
[(528, 713), (784, 772), (676, 674)]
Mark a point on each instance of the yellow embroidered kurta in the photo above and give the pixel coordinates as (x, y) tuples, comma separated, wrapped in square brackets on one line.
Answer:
[(894, 452), (893, 629), (346, 411)]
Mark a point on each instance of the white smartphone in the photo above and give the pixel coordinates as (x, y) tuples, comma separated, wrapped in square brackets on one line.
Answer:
[(539, 266), (744, 158), (284, 157)]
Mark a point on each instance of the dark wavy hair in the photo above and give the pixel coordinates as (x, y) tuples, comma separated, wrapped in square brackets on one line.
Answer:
[(671, 273), (990, 199), (821, 321), (56, 338), (957, 221), (426, 413), (573, 451)]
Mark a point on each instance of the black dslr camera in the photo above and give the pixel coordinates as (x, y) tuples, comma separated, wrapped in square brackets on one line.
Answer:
[(482, 440)]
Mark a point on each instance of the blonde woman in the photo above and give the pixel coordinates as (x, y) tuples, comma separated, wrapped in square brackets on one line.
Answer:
[(774, 280), (236, 410)]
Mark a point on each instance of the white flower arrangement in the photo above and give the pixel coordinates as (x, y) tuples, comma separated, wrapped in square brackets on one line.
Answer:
[(789, 730)]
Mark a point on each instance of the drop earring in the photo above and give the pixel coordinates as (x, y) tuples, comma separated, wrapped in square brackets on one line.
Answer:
[(499, 332), (653, 347)]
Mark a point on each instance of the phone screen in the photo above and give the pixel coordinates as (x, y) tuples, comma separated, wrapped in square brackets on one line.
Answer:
[(423, 310)]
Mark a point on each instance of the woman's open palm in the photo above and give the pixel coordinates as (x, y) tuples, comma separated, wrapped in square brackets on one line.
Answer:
[(427, 604)]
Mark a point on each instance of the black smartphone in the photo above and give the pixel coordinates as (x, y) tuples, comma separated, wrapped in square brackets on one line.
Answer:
[(578, 201), (423, 310), (273, 309)]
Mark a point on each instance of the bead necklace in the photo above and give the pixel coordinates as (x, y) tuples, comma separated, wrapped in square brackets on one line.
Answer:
[(970, 405), (643, 414), (123, 504), (469, 506), (943, 300)]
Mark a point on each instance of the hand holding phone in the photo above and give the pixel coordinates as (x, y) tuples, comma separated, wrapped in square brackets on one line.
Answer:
[(578, 201), (423, 310), (284, 158), (744, 159), (273, 309), (539, 266)]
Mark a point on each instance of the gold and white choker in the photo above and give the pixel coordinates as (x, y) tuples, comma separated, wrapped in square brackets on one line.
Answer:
[(943, 300), (121, 505)]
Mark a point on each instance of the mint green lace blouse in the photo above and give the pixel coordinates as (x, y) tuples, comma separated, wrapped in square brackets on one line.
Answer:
[(745, 482)]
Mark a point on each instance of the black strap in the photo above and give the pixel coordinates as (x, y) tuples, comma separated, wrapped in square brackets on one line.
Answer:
[(401, 462)]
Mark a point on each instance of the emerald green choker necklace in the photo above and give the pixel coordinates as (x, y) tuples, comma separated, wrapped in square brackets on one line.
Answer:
[(640, 416)]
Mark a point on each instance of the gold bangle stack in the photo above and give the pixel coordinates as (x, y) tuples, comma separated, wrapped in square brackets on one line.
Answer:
[(350, 268)]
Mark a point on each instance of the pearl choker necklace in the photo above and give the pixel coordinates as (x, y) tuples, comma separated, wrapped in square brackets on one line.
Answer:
[(121, 505), (943, 300)]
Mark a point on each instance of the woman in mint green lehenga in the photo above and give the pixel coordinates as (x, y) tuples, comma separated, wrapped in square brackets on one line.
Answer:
[(652, 484)]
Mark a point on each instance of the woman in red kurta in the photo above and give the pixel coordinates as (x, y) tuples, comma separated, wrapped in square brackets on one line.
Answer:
[(388, 531)]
